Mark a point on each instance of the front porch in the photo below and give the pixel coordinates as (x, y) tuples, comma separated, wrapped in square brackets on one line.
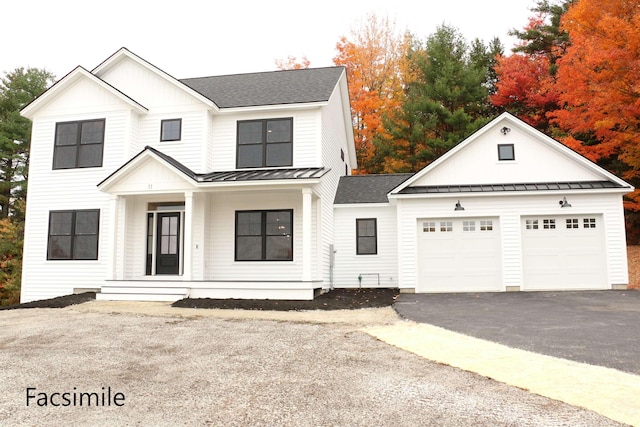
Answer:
[(174, 234)]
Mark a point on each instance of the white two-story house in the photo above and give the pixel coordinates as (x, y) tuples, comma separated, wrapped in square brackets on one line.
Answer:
[(143, 186)]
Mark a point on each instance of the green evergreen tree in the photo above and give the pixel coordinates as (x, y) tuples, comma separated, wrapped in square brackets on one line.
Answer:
[(17, 89), (445, 100)]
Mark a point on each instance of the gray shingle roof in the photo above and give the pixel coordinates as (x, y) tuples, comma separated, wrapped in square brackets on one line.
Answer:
[(526, 186), (367, 188), (269, 88)]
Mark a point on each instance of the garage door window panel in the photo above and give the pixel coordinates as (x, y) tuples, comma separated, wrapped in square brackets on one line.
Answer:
[(589, 222), (572, 223), (446, 226), (486, 225), (429, 227), (532, 224), (468, 226), (549, 224)]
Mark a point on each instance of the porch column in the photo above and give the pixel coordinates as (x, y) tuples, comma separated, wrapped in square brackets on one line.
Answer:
[(187, 263), (113, 237), (306, 233)]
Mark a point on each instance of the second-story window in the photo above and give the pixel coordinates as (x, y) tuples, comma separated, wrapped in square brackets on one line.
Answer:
[(78, 144), (265, 143), (170, 130)]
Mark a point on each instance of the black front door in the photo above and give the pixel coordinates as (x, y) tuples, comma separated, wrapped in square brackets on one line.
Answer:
[(168, 243)]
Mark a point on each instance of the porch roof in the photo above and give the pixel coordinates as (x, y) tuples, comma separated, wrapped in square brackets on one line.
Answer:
[(246, 175)]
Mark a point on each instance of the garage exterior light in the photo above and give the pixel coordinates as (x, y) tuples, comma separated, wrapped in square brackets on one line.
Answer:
[(564, 203), (458, 206)]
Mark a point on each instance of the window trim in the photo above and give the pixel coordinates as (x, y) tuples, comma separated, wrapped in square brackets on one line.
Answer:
[(375, 236), (513, 153), (263, 235), (78, 143), (73, 235), (263, 143), (162, 122)]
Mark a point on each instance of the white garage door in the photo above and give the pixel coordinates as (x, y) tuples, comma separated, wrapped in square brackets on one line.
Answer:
[(563, 252), (459, 255)]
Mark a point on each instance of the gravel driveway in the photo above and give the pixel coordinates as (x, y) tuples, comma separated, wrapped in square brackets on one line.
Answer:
[(209, 371)]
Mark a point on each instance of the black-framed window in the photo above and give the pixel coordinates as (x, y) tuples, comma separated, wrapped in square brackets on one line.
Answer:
[(78, 144), (366, 236), (265, 143), (73, 235), (171, 130), (264, 235), (506, 152)]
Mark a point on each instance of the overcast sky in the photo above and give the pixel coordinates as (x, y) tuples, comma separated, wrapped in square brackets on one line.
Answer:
[(193, 38)]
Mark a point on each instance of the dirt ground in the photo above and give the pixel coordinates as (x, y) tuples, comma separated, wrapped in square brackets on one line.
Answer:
[(212, 371), (633, 256)]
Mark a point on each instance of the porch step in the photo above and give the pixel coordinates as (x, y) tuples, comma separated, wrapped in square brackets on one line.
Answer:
[(127, 293)]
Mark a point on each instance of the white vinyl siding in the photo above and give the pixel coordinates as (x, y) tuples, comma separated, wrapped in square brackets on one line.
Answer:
[(221, 240), (305, 137), (530, 154), (333, 139), (349, 265), (68, 189), (188, 150)]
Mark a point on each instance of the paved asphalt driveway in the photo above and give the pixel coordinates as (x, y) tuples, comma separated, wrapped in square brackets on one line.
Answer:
[(595, 327)]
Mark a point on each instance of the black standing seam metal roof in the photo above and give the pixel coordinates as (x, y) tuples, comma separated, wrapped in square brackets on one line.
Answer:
[(367, 188), (234, 176), (268, 88), (526, 186)]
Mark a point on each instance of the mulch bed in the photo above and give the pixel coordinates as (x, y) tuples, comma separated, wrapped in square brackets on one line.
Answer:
[(57, 302), (337, 299)]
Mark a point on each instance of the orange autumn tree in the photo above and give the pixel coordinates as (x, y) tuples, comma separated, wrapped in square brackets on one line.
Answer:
[(526, 80), (292, 63), (599, 86), (373, 55)]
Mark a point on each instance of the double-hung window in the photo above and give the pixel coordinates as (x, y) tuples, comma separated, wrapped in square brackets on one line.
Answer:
[(366, 236), (264, 235), (265, 143), (78, 144), (73, 235)]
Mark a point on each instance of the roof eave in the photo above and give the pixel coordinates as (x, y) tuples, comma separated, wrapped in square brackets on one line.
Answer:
[(272, 107)]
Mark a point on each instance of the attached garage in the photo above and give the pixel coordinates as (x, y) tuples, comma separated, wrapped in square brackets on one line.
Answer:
[(459, 255), (507, 209), (564, 252)]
